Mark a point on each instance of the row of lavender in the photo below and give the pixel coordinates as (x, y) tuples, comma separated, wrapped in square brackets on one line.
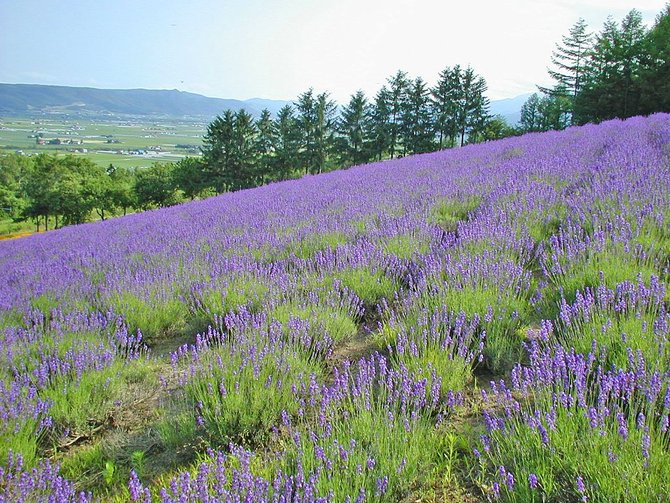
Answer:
[(453, 259)]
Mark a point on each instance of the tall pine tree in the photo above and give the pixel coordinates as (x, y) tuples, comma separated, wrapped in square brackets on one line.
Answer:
[(265, 141), (416, 120), (286, 144), (380, 123), (444, 100), (217, 151), (397, 86), (570, 61), (354, 126), (655, 76)]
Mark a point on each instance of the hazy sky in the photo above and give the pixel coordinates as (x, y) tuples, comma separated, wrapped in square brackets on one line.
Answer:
[(277, 49)]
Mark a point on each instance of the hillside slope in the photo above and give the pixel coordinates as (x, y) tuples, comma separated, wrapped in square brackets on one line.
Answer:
[(476, 324)]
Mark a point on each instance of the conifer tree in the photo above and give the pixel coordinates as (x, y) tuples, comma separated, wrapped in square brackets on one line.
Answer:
[(265, 140), (316, 122), (354, 126), (655, 76), (397, 86), (472, 110), (416, 120), (324, 132), (380, 123), (530, 115), (286, 144), (217, 151), (570, 61), (243, 172), (444, 99)]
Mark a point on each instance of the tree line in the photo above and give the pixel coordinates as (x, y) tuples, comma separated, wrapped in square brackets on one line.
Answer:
[(622, 71), (53, 191), (313, 135)]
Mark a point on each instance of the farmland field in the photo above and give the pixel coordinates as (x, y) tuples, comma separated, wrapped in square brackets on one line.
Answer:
[(123, 142), (484, 323)]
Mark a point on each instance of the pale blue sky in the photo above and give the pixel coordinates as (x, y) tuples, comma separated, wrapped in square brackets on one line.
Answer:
[(277, 49)]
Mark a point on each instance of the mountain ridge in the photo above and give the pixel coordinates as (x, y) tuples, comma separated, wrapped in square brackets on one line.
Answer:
[(41, 99)]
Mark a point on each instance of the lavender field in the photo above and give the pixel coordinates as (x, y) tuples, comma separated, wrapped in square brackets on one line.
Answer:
[(484, 323)]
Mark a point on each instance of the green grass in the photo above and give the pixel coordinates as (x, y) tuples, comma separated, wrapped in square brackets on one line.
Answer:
[(377, 447), (371, 286), (309, 245), (608, 266), (406, 246), (612, 467), (500, 313), (236, 395), (10, 227), (654, 239), (233, 294), (639, 328), (156, 317), (323, 320), (449, 211), (433, 344)]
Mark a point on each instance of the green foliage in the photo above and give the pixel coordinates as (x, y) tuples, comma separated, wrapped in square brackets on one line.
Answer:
[(154, 186), (323, 320), (188, 175), (155, 315), (547, 112), (391, 447), (607, 265), (238, 395), (448, 212), (612, 466), (307, 246), (68, 188), (495, 128), (406, 246), (371, 286)]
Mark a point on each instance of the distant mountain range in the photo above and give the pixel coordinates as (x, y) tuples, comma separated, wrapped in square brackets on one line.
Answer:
[(509, 108), (35, 100)]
